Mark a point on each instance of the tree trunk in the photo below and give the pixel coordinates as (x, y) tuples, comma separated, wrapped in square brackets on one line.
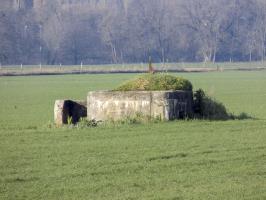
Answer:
[(214, 56), (113, 52)]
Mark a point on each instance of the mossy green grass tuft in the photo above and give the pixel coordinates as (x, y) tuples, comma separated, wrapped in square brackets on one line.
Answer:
[(155, 82)]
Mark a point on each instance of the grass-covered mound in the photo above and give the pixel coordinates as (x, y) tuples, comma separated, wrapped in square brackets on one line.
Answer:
[(156, 82)]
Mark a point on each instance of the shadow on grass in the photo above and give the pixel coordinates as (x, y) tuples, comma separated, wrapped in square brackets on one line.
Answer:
[(167, 157)]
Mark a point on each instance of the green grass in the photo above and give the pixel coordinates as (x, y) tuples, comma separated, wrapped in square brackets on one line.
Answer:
[(174, 160)]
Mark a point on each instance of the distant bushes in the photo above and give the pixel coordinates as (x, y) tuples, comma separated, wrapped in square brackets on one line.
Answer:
[(155, 82)]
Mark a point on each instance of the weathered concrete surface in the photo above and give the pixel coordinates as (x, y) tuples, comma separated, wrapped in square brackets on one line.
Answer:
[(66, 109), (166, 105)]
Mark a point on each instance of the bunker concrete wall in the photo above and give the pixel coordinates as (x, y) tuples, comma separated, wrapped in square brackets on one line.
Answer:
[(166, 105), (69, 109)]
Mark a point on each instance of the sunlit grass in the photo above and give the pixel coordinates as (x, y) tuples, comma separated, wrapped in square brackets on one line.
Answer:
[(174, 160)]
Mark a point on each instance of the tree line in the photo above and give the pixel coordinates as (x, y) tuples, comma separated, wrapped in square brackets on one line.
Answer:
[(127, 31)]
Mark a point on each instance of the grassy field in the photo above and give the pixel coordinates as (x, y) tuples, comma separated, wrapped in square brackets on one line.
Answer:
[(174, 160)]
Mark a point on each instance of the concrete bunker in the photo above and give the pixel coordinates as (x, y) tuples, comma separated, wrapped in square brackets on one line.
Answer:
[(116, 105), (160, 96), (113, 105)]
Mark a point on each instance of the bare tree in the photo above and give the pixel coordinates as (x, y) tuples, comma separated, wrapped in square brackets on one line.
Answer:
[(118, 31), (260, 28), (209, 24)]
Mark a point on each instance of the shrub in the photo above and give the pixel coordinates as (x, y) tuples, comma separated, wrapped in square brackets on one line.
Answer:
[(156, 82), (207, 108), (243, 116), (84, 123)]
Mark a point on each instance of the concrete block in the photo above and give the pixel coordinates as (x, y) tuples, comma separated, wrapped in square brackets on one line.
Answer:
[(113, 105), (66, 109)]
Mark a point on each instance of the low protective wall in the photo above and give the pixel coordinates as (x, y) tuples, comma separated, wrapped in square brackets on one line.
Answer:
[(166, 105), (64, 110)]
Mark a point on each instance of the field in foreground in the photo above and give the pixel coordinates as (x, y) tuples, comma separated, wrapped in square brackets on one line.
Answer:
[(175, 160)]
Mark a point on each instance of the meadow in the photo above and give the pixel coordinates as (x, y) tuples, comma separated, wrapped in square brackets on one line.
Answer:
[(171, 160)]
